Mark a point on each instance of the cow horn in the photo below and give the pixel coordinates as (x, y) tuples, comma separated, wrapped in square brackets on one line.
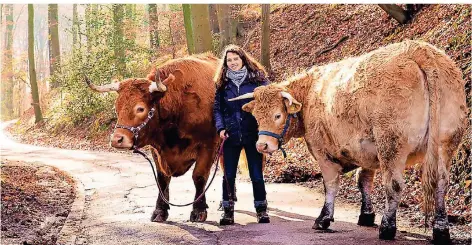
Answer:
[(157, 86), (290, 98), (244, 96), (104, 88)]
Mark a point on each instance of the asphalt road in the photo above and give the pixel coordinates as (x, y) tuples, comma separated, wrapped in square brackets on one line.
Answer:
[(117, 194)]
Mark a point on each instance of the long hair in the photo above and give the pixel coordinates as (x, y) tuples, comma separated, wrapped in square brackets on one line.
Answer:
[(255, 70)]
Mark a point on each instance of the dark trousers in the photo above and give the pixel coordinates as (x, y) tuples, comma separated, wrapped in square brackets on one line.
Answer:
[(231, 153)]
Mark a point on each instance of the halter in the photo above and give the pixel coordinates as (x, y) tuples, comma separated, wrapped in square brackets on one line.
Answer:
[(135, 130), (280, 137)]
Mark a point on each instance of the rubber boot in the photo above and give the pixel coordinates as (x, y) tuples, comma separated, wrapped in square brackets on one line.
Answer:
[(262, 216), (228, 216)]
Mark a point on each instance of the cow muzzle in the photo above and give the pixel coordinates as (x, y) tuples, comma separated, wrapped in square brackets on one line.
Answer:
[(121, 141), (266, 146)]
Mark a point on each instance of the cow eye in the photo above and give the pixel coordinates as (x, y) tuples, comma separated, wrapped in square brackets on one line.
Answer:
[(140, 109), (277, 117)]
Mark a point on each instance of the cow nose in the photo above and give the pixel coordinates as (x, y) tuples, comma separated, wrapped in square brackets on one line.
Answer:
[(261, 146), (120, 140), (117, 140)]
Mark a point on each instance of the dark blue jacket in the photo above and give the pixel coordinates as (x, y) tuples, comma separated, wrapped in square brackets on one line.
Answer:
[(241, 126)]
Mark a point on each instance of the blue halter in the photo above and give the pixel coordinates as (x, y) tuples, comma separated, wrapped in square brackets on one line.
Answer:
[(280, 137)]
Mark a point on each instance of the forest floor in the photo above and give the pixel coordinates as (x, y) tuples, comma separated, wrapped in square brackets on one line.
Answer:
[(298, 34), (36, 200)]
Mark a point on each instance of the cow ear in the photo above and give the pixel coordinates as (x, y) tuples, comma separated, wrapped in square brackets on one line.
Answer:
[(178, 74), (294, 107), (248, 107), (175, 75), (169, 79)]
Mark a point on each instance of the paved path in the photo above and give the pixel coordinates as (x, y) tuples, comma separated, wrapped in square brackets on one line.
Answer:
[(117, 196)]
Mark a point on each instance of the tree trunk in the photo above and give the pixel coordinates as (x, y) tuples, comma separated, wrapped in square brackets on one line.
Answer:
[(171, 39), (265, 36), (74, 26), (54, 50), (188, 28), (88, 13), (201, 28), (131, 23), (224, 20), (7, 71), (396, 12), (153, 30), (236, 27), (32, 71), (213, 18), (118, 46)]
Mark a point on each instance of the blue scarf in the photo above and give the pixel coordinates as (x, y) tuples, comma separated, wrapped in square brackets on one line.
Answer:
[(237, 77)]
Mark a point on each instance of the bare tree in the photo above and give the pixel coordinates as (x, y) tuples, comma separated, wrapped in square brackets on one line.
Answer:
[(118, 39), (171, 39), (186, 9), (130, 13), (88, 27), (224, 20), (265, 37), (75, 25), (7, 69), (153, 30), (236, 25), (398, 13), (54, 50), (32, 72), (201, 28), (213, 18)]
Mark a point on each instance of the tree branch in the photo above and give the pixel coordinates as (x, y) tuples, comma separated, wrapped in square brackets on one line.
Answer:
[(332, 47), (23, 80)]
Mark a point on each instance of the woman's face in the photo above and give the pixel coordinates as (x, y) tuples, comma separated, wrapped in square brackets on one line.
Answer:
[(233, 61)]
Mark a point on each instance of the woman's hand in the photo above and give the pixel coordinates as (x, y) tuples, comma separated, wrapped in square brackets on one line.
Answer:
[(223, 134)]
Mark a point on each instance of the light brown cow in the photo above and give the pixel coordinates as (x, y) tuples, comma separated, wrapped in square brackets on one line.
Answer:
[(391, 108), (179, 104)]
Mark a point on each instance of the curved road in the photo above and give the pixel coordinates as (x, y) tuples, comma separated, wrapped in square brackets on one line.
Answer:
[(117, 193)]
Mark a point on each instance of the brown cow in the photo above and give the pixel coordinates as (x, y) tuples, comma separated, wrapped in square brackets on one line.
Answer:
[(393, 107), (182, 130)]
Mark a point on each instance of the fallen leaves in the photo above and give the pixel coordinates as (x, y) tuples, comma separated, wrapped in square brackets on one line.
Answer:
[(31, 194)]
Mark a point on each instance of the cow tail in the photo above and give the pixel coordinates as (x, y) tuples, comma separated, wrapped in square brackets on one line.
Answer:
[(425, 59)]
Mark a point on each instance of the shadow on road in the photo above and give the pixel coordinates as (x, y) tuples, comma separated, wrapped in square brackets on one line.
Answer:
[(290, 228)]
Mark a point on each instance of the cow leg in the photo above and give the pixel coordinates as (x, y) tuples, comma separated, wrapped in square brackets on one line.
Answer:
[(392, 156), (161, 212), (330, 172), (393, 185), (365, 180), (441, 225), (200, 176)]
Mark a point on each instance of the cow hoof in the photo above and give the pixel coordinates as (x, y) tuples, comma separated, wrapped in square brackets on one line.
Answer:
[(366, 219), (322, 224), (441, 236), (198, 215), (159, 215), (387, 233)]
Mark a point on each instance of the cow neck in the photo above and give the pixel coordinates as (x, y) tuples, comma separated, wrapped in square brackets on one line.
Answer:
[(299, 88), (158, 128)]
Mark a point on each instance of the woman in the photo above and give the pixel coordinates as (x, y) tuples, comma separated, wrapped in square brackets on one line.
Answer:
[(239, 74)]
